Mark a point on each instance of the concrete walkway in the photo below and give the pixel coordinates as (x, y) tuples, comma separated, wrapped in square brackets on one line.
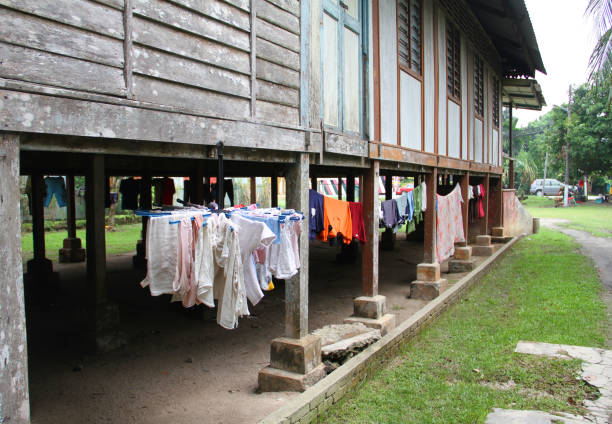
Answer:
[(596, 371)]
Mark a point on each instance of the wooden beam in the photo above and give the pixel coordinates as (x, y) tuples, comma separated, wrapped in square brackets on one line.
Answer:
[(350, 188), (274, 191), (464, 183), (371, 206), (484, 225)]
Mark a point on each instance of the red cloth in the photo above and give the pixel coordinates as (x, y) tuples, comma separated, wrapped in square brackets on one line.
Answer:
[(481, 195), (167, 191), (357, 220)]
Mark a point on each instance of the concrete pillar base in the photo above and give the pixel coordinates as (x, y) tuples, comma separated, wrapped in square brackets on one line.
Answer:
[(428, 272), (483, 240), (427, 290), (101, 332), (385, 323), (461, 265), (387, 240), (484, 250), (139, 260), (295, 364), (39, 266), (497, 231), (463, 253), (41, 284), (275, 380), (536, 225), (72, 251), (504, 239), (370, 307)]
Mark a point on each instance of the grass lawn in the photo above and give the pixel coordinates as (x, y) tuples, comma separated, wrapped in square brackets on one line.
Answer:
[(591, 217), (123, 240), (463, 365)]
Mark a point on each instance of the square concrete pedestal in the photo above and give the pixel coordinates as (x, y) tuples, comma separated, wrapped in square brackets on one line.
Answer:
[(483, 246), (462, 260), (372, 312), (428, 284), (295, 364), (72, 251)]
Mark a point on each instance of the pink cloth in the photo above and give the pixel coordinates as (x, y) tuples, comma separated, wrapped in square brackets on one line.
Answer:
[(449, 224)]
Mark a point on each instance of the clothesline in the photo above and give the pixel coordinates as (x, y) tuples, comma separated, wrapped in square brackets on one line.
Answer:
[(230, 256)]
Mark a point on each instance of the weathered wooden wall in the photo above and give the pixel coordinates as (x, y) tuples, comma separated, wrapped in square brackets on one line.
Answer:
[(237, 59)]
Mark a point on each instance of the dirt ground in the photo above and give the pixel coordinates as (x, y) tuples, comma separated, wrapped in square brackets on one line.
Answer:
[(178, 365)]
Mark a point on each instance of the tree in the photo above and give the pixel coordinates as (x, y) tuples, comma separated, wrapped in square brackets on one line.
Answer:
[(600, 63)]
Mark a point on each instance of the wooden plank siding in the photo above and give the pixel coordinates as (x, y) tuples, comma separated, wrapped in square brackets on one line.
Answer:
[(277, 61)]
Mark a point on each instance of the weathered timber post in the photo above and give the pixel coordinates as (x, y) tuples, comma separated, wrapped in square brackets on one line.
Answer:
[(197, 184), (462, 260), (14, 369), (253, 189), (350, 188), (146, 202), (370, 308), (274, 191), (40, 280), (428, 284), (295, 360), (72, 250), (483, 245), (100, 316), (497, 220), (388, 237)]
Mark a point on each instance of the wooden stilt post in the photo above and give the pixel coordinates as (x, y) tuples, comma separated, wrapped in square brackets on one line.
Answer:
[(295, 360), (431, 181), (274, 191), (101, 317), (14, 370), (371, 206), (388, 237), (71, 250), (429, 284), (253, 189), (350, 188), (484, 225), (370, 309)]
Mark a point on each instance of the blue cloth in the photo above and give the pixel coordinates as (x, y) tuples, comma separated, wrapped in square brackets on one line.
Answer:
[(57, 187), (273, 224), (410, 206), (391, 215), (315, 214)]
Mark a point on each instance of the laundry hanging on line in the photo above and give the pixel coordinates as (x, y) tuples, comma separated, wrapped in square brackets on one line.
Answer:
[(329, 218), (198, 256), (449, 223)]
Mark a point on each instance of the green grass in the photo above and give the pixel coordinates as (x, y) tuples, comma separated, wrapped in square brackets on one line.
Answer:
[(591, 217), (123, 240), (543, 290)]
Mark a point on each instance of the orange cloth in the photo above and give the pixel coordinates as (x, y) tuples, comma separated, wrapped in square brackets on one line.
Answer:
[(337, 215)]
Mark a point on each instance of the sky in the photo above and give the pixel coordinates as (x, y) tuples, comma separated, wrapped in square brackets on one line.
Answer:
[(566, 39)]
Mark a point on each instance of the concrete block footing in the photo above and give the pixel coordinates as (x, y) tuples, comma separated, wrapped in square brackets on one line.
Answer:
[(460, 265), (385, 323), (427, 290), (504, 239), (483, 250), (497, 231), (276, 380), (536, 225), (370, 307), (483, 240), (296, 355), (428, 272), (72, 251), (463, 253)]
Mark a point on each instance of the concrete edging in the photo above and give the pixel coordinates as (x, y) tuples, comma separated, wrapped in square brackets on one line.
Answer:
[(307, 406)]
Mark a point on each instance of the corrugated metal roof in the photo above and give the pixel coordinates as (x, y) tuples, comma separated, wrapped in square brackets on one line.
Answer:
[(508, 25)]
